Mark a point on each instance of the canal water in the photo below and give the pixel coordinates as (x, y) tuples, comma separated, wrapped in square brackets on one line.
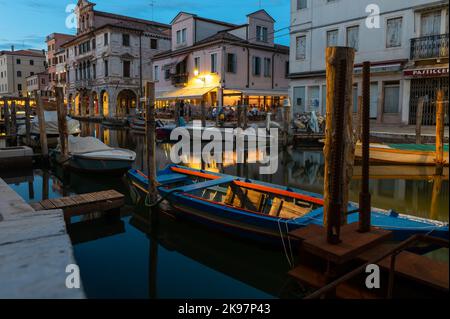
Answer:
[(142, 256)]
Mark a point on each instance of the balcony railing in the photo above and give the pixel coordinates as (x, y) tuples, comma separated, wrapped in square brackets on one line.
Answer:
[(429, 47), (180, 79)]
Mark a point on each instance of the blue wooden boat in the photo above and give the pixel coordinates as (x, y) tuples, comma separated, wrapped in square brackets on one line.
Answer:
[(259, 210)]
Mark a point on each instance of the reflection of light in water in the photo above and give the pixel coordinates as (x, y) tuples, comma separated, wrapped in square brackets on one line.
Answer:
[(106, 136)]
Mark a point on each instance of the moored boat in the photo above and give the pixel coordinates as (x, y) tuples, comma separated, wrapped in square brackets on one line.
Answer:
[(412, 154), (259, 210), (91, 155)]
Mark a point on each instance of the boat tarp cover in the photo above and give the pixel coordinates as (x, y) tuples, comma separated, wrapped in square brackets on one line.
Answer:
[(51, 125), (417, 147), (80, 145)]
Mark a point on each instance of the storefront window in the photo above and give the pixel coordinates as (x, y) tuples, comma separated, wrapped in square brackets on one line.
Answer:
[(299, 99)]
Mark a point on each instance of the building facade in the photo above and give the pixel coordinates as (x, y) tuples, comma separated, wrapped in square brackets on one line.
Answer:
[(406, 42), (15, 67), (38, 82), (222, 64), (55, 56), (109, 61)]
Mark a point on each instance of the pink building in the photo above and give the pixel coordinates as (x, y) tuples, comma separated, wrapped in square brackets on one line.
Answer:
[(222, 64)]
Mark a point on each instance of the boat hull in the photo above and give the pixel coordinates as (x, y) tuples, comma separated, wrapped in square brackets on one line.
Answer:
[(400, 156), (99, 165), (261, 227)]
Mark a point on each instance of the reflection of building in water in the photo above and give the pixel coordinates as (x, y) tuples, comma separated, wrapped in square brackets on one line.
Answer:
[(406, 196)]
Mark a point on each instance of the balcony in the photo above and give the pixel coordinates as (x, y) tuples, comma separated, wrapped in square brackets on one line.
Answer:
[(83, 84), (429, 47), (180, 79)]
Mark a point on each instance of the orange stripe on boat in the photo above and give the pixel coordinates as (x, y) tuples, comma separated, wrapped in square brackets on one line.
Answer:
[(258, 187), (280, 192), (194, 173)]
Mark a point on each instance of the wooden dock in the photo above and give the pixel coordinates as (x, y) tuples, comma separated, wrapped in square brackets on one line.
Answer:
[(104, 201), (322, 263)]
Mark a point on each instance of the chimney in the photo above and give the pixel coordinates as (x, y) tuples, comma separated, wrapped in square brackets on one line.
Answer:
[(12, 48)]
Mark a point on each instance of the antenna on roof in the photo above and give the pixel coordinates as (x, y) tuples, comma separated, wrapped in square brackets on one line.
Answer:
[(152, 4)]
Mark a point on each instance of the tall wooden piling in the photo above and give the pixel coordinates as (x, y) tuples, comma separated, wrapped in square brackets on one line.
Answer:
[(245, 116), (239, 116), (62, 123), (419, 115), (13, 128), (6, 120), (203, 113), (42, 130), (339, 148), (359, 119), (364, 195), (440, 132), (27, 121), (286, 122), (150, 129)]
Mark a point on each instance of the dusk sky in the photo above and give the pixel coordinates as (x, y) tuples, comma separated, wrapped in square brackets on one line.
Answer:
[(26, 23)]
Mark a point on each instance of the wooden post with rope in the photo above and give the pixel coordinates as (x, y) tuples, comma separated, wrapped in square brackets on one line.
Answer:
[(42, 130), (62, 123), (339, 143), (419, 116), (7, 124), (440, 132), (27, 121), (13, 127), (150, 130)]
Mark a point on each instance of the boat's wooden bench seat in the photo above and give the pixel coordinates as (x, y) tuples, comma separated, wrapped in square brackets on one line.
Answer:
[(283, 209), (170, 178), (245, 198)]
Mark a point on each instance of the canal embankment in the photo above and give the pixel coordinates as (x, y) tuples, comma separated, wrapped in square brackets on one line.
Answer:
[(35, 250)]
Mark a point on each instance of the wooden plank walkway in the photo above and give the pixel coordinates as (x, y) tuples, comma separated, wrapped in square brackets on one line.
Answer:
[(84, 203)]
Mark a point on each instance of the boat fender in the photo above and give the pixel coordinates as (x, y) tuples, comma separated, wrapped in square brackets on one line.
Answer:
[(393, 213)]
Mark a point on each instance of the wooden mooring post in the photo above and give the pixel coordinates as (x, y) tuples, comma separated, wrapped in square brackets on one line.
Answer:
[(245, 116), (419, 115), (27, 121), (13, 127), (364, 195), (440, 132), (62, 123), (6, 120), (150, 129), (203, 113), (239, 116), (339, 147), (42, 130), (286, 122)]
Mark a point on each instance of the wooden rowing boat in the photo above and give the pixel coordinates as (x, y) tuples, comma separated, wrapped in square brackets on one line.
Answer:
[(412, 154), (258, 210)]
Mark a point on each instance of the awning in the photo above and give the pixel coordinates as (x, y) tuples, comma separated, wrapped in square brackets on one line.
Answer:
[(184, 93), (172, 65), (250, 92)]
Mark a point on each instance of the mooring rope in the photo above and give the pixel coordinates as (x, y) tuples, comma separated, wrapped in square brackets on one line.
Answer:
[(290, 262), (160, 200)]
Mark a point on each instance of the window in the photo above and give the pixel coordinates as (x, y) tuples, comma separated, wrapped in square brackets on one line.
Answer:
[(106, 68), (94, 70), (314, 98), (430, 23), (332, 38), (94, 44), (181, 36), (394, 33), (31, 62), (19, 74), (301, 4), (18, 61), (197, 64), (31, 73), (231, 62), (126, 40), (286, 69), (214, 63), (353, 37), (391, 97), (105, 39), (300, 47), (267, 66), (256, 66), (126, 69), (19, 87), (355, 97), (156, 73), (167, 74), (299, 99), (154, 44), (261, 34)]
